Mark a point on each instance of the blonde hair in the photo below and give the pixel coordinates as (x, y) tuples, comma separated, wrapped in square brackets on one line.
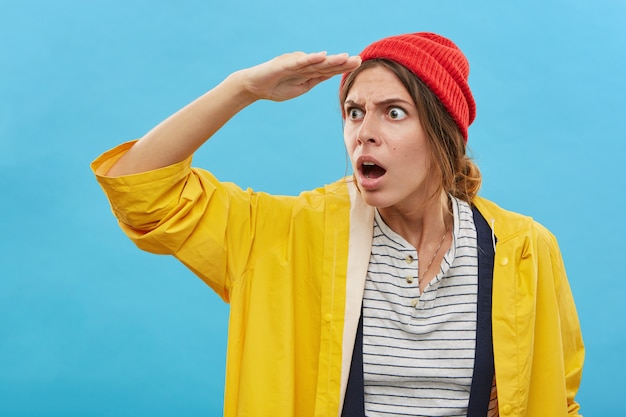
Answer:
[(458, 175)]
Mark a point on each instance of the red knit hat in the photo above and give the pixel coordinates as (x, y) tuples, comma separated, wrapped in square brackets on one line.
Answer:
[(438, 62)]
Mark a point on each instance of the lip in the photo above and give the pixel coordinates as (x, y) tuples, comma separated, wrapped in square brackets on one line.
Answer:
[(368, 184)]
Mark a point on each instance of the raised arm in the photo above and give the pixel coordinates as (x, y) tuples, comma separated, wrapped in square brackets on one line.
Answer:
[(181, 134)]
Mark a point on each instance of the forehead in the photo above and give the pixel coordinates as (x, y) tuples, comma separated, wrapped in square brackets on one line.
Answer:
[(377, 83)]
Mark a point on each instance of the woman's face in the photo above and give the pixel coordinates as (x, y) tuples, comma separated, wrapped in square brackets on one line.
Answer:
[(388, 148)]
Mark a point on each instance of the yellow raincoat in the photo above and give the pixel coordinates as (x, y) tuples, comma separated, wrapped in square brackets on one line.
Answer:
[(293, 270)]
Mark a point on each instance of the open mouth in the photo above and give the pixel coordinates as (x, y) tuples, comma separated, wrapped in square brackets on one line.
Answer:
[(370, 170)]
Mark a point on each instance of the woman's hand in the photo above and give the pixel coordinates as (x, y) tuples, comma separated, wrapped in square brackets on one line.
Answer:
[(281, 78), (291, 75)]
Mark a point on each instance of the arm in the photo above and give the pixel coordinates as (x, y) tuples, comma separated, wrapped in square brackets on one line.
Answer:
[(573, 346), (573, 350), (180, 135)]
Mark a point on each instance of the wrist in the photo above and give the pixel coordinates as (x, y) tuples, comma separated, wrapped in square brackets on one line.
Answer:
[(237, 85)]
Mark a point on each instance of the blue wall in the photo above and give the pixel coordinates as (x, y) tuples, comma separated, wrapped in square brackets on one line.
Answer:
[(89, 325)]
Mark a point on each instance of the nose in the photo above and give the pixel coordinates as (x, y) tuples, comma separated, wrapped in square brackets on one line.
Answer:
[(368, 131)]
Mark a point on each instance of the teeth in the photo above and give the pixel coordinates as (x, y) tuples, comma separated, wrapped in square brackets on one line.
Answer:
[(369, 163)]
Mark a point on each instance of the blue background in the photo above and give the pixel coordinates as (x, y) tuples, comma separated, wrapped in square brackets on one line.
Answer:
[(91, 326)]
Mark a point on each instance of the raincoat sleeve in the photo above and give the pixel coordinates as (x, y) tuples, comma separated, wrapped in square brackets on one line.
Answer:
[(209, 226), (571, 336)]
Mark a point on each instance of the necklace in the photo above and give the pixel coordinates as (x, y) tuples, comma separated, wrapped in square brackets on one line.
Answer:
[(436, 252)]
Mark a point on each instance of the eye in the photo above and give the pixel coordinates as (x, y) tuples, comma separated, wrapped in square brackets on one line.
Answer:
[(354, 113), (396, 113)]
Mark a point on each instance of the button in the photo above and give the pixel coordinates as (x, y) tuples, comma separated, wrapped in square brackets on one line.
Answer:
[(409, 279), (328, 317), (507, 409), (504, 261), (333, 207), (409, 259), (415, 302)]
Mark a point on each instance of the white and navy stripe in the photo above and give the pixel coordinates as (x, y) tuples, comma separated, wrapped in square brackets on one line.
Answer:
[(418, 349)]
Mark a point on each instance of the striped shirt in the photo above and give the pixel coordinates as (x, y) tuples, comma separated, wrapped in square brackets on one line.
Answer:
[(418, 349)]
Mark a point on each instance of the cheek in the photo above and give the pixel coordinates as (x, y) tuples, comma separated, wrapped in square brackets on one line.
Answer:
[(415, 158)]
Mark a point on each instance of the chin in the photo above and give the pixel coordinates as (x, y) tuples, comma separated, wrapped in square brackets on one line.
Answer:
[(375, 199)]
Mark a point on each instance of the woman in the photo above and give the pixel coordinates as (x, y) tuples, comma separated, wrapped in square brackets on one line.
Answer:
[(395, 292)]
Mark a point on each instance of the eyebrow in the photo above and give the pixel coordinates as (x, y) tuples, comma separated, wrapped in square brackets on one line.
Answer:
[(382, 103)]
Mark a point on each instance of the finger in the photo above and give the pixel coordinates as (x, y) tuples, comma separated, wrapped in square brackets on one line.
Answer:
[(337, 59), (328, 62), (349, 64), (339, 63), (320, 60), (329, 68), (299, 60)]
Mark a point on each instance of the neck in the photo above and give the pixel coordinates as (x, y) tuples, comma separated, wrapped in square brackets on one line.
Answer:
[(422, 225)]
